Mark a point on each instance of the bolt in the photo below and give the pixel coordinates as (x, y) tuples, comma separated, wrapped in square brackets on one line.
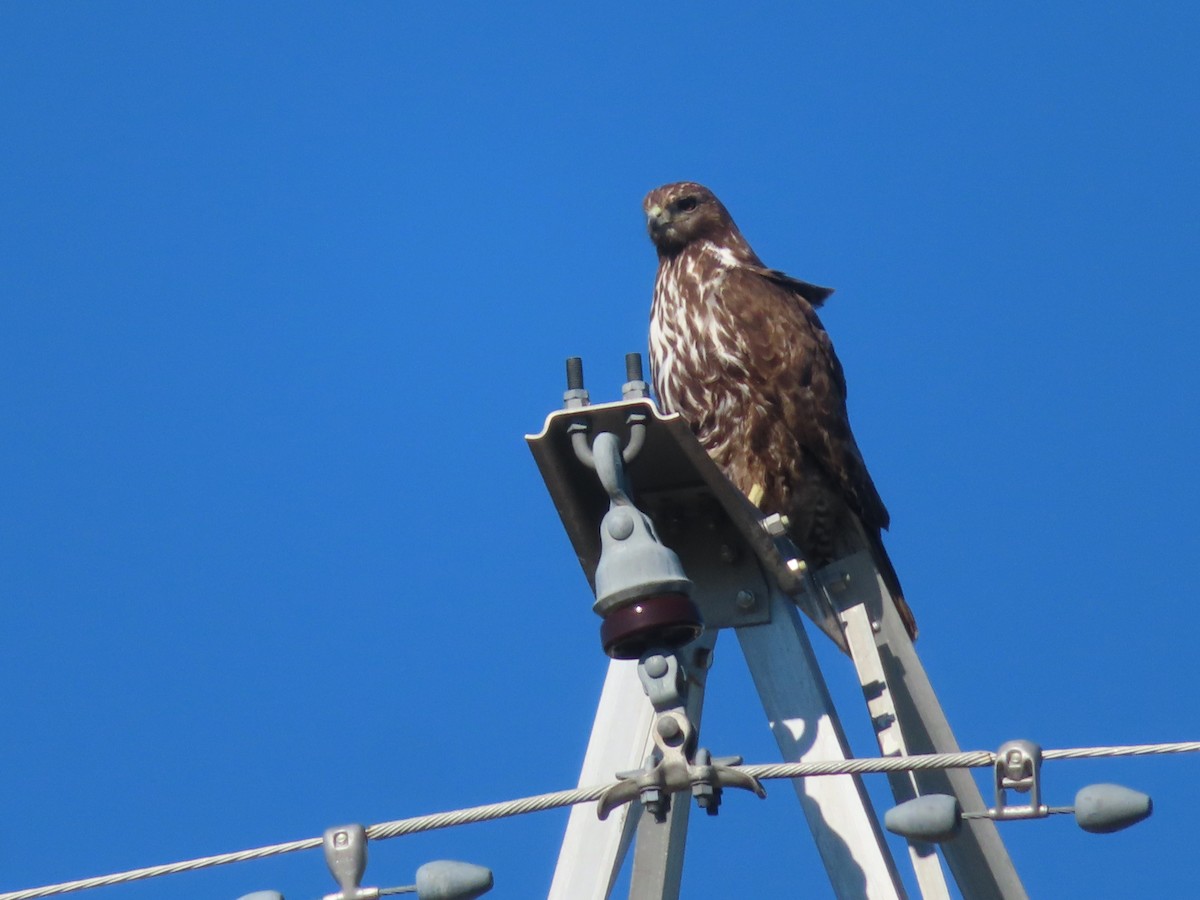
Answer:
[(656, 803), (574, 373), (634, 388), (745, 600), (656, 665), (775, 525), (668, 729), (633, 367)]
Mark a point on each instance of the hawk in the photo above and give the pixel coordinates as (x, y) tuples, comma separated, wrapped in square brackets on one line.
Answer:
[(737, 349)]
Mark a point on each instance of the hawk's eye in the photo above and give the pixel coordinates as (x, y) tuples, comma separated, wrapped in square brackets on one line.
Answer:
[(687, 204)]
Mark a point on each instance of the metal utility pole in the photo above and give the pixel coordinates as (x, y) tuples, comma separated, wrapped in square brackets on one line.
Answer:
[(630, 483)]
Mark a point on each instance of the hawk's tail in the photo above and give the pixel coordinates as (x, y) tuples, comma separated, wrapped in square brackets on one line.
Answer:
[(906, 616), (893, 584)]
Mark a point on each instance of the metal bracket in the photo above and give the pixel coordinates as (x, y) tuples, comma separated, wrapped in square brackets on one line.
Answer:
[(1019, 768), (696, 510)]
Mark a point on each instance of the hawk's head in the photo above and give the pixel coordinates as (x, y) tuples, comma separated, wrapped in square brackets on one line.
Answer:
[(678, 214)]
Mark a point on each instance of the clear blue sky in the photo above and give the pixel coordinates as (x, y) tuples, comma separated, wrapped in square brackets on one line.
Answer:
[(283, 285)]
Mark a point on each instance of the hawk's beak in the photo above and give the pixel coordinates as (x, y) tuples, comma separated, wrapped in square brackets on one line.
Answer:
[(657, 219)]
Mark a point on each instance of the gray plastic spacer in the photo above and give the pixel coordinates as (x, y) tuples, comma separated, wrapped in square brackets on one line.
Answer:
[(932, 818), (1105, 808), (445, 879)]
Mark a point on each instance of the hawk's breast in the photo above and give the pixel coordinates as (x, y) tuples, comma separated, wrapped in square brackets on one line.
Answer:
[(698, 360)]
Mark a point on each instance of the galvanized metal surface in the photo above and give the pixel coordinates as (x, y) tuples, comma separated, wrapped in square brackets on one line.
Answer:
[(698, 513), (742, 579), (806, 727), (977, 858)]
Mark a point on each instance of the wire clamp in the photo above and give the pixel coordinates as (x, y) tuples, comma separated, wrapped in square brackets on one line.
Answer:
[(346, 855)]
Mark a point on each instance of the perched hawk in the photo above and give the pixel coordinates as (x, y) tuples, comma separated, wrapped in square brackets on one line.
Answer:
[(738, 351)]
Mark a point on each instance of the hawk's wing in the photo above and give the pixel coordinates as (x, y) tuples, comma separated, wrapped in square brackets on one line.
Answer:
[(813, 293), (797, 375)]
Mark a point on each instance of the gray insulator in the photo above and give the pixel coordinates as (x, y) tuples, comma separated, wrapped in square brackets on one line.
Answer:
[(932, 818), (633, 565), (445, 879), (1105, 808)]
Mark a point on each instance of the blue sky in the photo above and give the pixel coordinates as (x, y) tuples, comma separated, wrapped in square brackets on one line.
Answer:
[(284, 285)]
